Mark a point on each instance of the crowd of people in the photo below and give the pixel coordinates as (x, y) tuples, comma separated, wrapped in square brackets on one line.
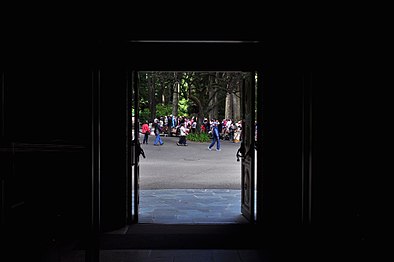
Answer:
[(169, 125), (181, 126)]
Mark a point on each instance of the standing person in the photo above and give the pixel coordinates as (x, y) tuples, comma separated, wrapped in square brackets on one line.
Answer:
[(182, 135), (169, 125), (215, 137), (207, 125), (238, 131), (231, 132), (157, 133), (194, 126), (146, 131)]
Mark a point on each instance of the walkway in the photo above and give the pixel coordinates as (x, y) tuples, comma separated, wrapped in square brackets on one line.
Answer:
[(191, 206), (190, 184)]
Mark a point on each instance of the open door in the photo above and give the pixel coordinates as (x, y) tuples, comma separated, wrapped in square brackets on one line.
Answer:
[(134, 148), (246, 151)]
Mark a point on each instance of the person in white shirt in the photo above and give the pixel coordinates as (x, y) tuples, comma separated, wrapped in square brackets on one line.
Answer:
[(182, 135)]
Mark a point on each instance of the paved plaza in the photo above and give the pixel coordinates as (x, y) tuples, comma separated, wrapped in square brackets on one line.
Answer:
[(190, 184)]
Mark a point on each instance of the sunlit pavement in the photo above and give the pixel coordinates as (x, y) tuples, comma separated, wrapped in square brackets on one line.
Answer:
[(190, 184)]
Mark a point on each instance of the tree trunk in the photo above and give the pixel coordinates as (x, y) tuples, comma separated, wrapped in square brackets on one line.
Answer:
[(237, 103), (175, 98), (200, 114), (211, 93), (152, 98), (228, 112), (164, 92), (213, 99), (215, 109)]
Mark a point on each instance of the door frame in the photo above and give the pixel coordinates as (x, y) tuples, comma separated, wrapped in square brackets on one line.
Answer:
[(248, 159), (133, 146), (247, 148)]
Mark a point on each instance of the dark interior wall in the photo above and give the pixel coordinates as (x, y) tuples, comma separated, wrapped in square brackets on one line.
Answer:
[(45, 145), (342, 175), (344, 206), (113, 144), (43, 103), (281, 174)]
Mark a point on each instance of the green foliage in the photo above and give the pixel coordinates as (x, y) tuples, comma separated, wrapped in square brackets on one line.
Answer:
[(183, 107), (144, 115), (143, 103), (163, 110), (198, 137)]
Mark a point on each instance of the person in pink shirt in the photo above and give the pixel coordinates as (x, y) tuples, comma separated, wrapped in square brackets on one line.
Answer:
[(146, 131)]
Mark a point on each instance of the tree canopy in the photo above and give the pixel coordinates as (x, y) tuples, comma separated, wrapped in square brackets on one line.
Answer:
[(200, 94)]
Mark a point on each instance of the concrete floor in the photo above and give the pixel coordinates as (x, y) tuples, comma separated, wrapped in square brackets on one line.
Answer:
[(190, 206)]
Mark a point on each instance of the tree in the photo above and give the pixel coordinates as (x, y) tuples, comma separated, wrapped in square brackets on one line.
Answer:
[(152, 94), (175, 97), (204, 94)]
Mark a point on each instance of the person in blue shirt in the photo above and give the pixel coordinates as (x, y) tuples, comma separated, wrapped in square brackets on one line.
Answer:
[(215, 137), (157, 128)]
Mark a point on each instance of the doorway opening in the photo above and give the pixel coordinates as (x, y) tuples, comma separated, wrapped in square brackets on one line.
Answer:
[(193, 182)]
